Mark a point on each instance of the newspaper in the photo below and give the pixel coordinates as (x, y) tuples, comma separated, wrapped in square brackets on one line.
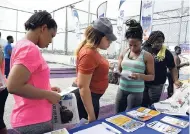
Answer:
[(66, 111), (2, 82), (178, 104)]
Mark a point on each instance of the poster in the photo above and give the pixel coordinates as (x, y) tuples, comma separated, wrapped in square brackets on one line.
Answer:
[(146, 17)]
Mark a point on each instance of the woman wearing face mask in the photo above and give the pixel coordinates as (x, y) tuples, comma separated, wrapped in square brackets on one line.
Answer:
[(163, 60), (29, 77), (136, 61), (92, 68)]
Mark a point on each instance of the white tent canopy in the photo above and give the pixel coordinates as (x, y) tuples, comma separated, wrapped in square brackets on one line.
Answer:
[(132, 6)]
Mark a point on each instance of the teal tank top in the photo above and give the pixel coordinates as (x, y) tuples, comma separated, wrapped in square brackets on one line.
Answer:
[(135, 66)]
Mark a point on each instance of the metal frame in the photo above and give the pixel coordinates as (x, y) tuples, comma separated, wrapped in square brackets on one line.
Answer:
[(16, 9), (158, 19), (17, 12)]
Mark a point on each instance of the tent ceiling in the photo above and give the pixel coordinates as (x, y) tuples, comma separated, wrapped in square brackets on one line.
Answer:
[(112, 10)]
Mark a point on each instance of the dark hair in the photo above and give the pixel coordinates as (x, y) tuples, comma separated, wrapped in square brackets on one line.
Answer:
[(176, 47), (134, 30), (92, 37), (9, 37), (39, 19), (154, 36)]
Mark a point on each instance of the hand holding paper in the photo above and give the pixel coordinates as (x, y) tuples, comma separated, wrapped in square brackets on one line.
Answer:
[(126, 74), (135, 76), (177, 84), (53, 97), (56, 89)]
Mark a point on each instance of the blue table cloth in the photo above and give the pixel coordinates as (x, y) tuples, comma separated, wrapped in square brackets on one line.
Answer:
[(143, 130)]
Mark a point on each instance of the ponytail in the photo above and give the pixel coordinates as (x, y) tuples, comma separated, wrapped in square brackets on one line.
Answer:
[(80, 46)]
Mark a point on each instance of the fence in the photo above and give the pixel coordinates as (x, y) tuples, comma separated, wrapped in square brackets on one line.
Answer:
[(174, 26), (66, 26), (12, 22), (169, 23)]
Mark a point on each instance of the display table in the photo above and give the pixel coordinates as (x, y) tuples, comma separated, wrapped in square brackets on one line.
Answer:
[(143, 130)]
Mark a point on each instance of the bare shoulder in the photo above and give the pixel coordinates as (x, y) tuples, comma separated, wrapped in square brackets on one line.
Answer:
[(124, 52), (148, 56)]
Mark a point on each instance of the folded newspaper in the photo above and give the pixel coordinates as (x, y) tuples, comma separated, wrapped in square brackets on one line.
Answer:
[(66, 111), (178, 104)]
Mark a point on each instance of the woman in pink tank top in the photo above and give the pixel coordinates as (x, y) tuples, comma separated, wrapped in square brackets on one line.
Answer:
[(29, 76)]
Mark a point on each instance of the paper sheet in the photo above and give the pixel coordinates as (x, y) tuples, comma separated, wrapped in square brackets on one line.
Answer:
[(126, 74), (97, 129), (67, 90)]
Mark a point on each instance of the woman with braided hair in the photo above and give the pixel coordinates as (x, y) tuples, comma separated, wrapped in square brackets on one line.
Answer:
[(136, 61), (163, 60), (29, 77)]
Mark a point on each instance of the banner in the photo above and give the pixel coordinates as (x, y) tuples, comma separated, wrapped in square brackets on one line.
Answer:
[(120, 25), (101, 10), (185, 48), (77, 24), (121, 2), (146, 17)]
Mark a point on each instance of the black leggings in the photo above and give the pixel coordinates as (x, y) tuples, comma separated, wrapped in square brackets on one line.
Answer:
[(81, 108), (3, 98)]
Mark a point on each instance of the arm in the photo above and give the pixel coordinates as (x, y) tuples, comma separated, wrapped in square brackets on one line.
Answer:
[(119, 63), (1, 57), (23, 65), (121, 59), (183, 65), (9, 49), (174, 73), (9, 52), (171, 65), (17, 84), (85, 93), (149, 61), (87, 62), (178, 65)]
